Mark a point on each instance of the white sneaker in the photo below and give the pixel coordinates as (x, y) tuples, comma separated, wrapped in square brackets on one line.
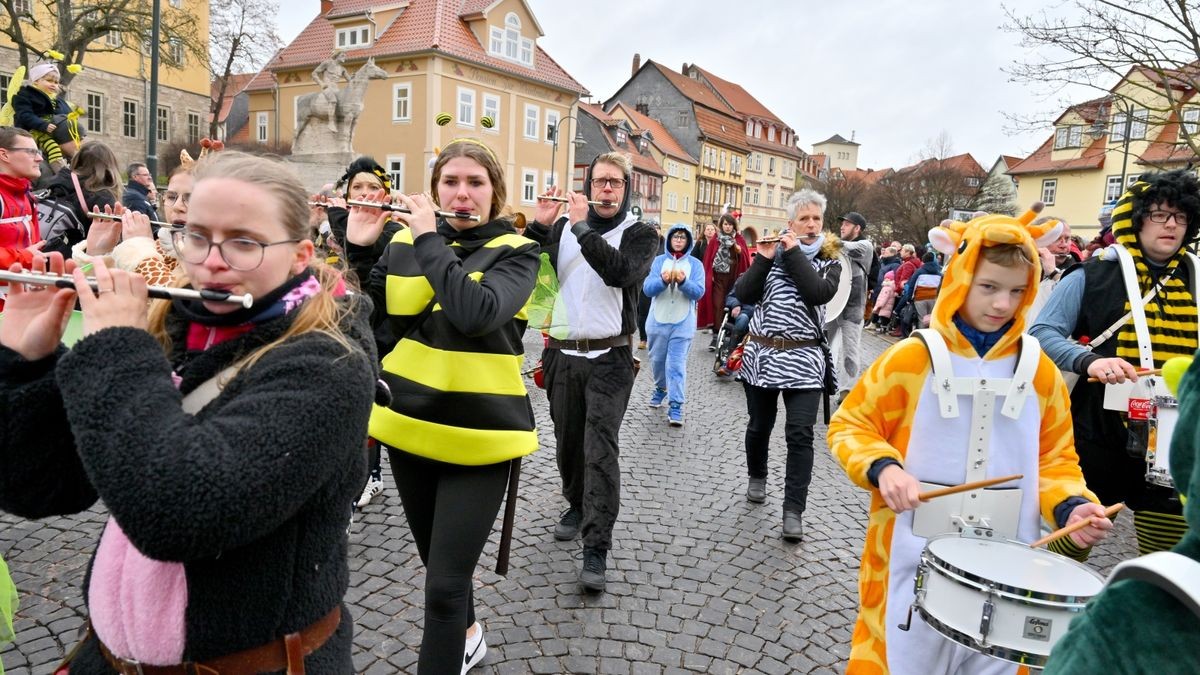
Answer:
[(475, 649), (373, 488)]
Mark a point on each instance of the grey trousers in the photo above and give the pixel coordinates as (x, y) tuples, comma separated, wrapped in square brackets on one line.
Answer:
[(845, 336), (588, 398)]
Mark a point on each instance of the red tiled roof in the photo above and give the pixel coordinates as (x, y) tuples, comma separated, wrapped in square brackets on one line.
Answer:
[(1010, 161), (662, 138), (236, 84), (262, 81), (1168, 148), (422, 26), (869, 176), (1090, 111), (472, 9), (739, 98), (721, 128), (696, 91), (963, 163), (641, 162), (1041, 162)]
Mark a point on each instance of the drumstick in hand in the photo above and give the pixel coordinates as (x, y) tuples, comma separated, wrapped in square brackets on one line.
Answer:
[(1073, 527), (1155, 371), (967, 487)]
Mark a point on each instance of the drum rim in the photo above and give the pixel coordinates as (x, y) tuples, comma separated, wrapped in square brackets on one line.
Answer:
[(1018, 594), (1010, 654)]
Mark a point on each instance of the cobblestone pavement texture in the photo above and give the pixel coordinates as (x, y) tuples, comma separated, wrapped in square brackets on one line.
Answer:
[(699, 578)]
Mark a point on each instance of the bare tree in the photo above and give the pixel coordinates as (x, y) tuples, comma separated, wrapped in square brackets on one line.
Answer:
[(76, 29), (1096, 43), (243, 38), (996, 196), (844, 194), (915, 199)]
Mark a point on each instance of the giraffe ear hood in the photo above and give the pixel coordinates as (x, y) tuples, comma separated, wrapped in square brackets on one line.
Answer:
[(963, 243)]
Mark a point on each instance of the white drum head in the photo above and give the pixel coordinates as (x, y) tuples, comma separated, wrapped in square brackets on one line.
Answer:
[(1016, 567)]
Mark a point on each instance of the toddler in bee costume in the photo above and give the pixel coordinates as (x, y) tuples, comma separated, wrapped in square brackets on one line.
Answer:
[(39, 108), (970, 398)]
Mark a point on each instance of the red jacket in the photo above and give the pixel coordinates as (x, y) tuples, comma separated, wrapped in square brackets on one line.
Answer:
[(740, 263), (906, 270), (18, 225)]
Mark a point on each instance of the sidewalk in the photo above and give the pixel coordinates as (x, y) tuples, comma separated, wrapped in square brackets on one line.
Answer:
[(699, 579)]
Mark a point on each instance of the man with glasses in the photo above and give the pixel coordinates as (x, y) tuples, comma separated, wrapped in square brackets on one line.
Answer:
[(1152, 222), (137, 195), (602, 255), (20, 163)]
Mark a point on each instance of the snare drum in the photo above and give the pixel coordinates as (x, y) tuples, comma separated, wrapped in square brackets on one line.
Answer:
[(1000, 597), (1158, 450)]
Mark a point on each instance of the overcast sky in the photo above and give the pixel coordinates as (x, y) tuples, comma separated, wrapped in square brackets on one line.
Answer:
[(895, 73)]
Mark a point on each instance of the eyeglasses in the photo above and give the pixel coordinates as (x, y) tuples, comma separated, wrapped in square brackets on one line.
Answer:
[(241, 253), (616, 183), (170, 197), (1181, 219), (33, 152)]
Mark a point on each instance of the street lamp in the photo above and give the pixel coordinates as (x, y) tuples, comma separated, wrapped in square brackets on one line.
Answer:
[(552, 131)]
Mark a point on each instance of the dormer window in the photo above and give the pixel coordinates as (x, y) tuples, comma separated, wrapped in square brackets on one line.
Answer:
[(1068, 137), (621, 136), (354, 37), (771, 134), (1191, 117), (507, 42)]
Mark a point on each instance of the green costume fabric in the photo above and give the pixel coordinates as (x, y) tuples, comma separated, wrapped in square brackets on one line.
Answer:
[(8, 607), (1133, 626)]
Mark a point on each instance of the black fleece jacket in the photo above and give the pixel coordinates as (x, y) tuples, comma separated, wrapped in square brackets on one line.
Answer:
[(252, 494), (624, 268)]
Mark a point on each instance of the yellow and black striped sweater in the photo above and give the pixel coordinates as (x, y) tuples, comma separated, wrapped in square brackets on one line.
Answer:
[(456, 302)]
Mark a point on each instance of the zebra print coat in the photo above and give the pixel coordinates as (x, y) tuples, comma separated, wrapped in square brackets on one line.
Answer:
[(784, 288)]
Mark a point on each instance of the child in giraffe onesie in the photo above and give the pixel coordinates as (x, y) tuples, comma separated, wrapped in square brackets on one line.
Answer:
[(895, 431)]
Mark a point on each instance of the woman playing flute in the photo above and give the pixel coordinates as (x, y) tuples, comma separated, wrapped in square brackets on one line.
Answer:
[(228, 501)]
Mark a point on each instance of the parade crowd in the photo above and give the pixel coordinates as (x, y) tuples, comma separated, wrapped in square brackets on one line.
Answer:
[(190, 417)]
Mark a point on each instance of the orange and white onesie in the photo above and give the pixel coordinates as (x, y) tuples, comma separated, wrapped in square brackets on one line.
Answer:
[(893, 413)]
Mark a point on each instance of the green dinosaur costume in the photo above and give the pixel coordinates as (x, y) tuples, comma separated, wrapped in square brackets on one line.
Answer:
[(8, 607), (1133, 626)]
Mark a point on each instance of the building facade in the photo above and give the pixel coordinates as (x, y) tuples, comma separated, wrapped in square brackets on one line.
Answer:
[(679, 168), (114, 87), (605, 133), (472, 60), (1101, 146)]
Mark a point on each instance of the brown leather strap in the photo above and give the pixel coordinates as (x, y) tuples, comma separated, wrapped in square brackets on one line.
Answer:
[(588, 344), (286, 653), (782, 343)]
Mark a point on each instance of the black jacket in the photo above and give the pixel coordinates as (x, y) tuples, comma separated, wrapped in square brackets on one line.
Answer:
[(33, 109), (252, 494), (137, 198)]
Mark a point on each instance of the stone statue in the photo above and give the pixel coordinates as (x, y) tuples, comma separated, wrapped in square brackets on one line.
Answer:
[(328, 76), (338, 107)]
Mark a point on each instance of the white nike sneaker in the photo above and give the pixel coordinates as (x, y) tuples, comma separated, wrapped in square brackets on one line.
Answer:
[(475, 649)]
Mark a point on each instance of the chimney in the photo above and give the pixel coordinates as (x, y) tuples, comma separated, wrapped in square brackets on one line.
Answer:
[(637, 63), (326, 7), (684, 69)]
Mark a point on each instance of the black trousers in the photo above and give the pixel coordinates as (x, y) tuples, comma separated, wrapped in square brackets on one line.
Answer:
[(450, 510), (588, 398), (801, 414)]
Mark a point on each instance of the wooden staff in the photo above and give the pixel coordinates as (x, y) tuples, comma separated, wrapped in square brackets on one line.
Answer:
[(162, 292), (1153, 371), (565, 200), (1060, 533), (510, 514), (113, 216), (967, 487), (461, 215)]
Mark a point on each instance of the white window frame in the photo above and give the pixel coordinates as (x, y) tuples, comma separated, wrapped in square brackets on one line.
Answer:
[(1140, 124), (176, 52), (1113, 189), (672, 201), (1191, 121), (552, 119), (177, 4), (353, 37), (512, 36), (526, 51), (687, 173), (126, 113), (1062, 137), (495, 41), (771, 133), (23, 7), (687, 204), (395, 168), (162, 124), (113, 39), (402, 102), (262, 122), (491, 108), (465, 102), (95, 114), (529, 182), (1116, 131), (532, 123), (1049, 191), (193, 116), (682, 119)]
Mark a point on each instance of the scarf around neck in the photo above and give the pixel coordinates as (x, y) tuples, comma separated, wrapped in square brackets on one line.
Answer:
[(811, 250)]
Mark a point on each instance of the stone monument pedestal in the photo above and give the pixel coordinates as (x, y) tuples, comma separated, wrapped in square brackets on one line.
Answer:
[(317, 169)]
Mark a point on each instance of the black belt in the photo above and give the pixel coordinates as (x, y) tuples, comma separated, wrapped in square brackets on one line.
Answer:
[(782, 343), (591, 344)]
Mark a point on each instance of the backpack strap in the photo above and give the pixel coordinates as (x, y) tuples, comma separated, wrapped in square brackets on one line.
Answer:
[(1172, 572)]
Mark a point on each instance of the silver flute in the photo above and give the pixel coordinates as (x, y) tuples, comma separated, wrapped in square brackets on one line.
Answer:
[(565, 200), (461, 215), (113, 216), (162, 292)]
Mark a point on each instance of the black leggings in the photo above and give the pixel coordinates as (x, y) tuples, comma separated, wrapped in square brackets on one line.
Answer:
[(450, 511)]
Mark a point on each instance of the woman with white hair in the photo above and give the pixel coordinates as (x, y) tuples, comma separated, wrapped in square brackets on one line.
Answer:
[(790, 281)]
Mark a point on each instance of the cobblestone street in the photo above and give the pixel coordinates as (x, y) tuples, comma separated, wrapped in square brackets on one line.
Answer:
[(699, 579)]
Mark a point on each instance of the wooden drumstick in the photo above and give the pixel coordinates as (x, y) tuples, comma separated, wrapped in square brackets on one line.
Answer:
[(967, 487), (1154, 371), (1060, 533)]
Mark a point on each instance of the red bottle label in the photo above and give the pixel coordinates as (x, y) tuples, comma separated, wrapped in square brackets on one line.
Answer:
[(1139, 408)]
